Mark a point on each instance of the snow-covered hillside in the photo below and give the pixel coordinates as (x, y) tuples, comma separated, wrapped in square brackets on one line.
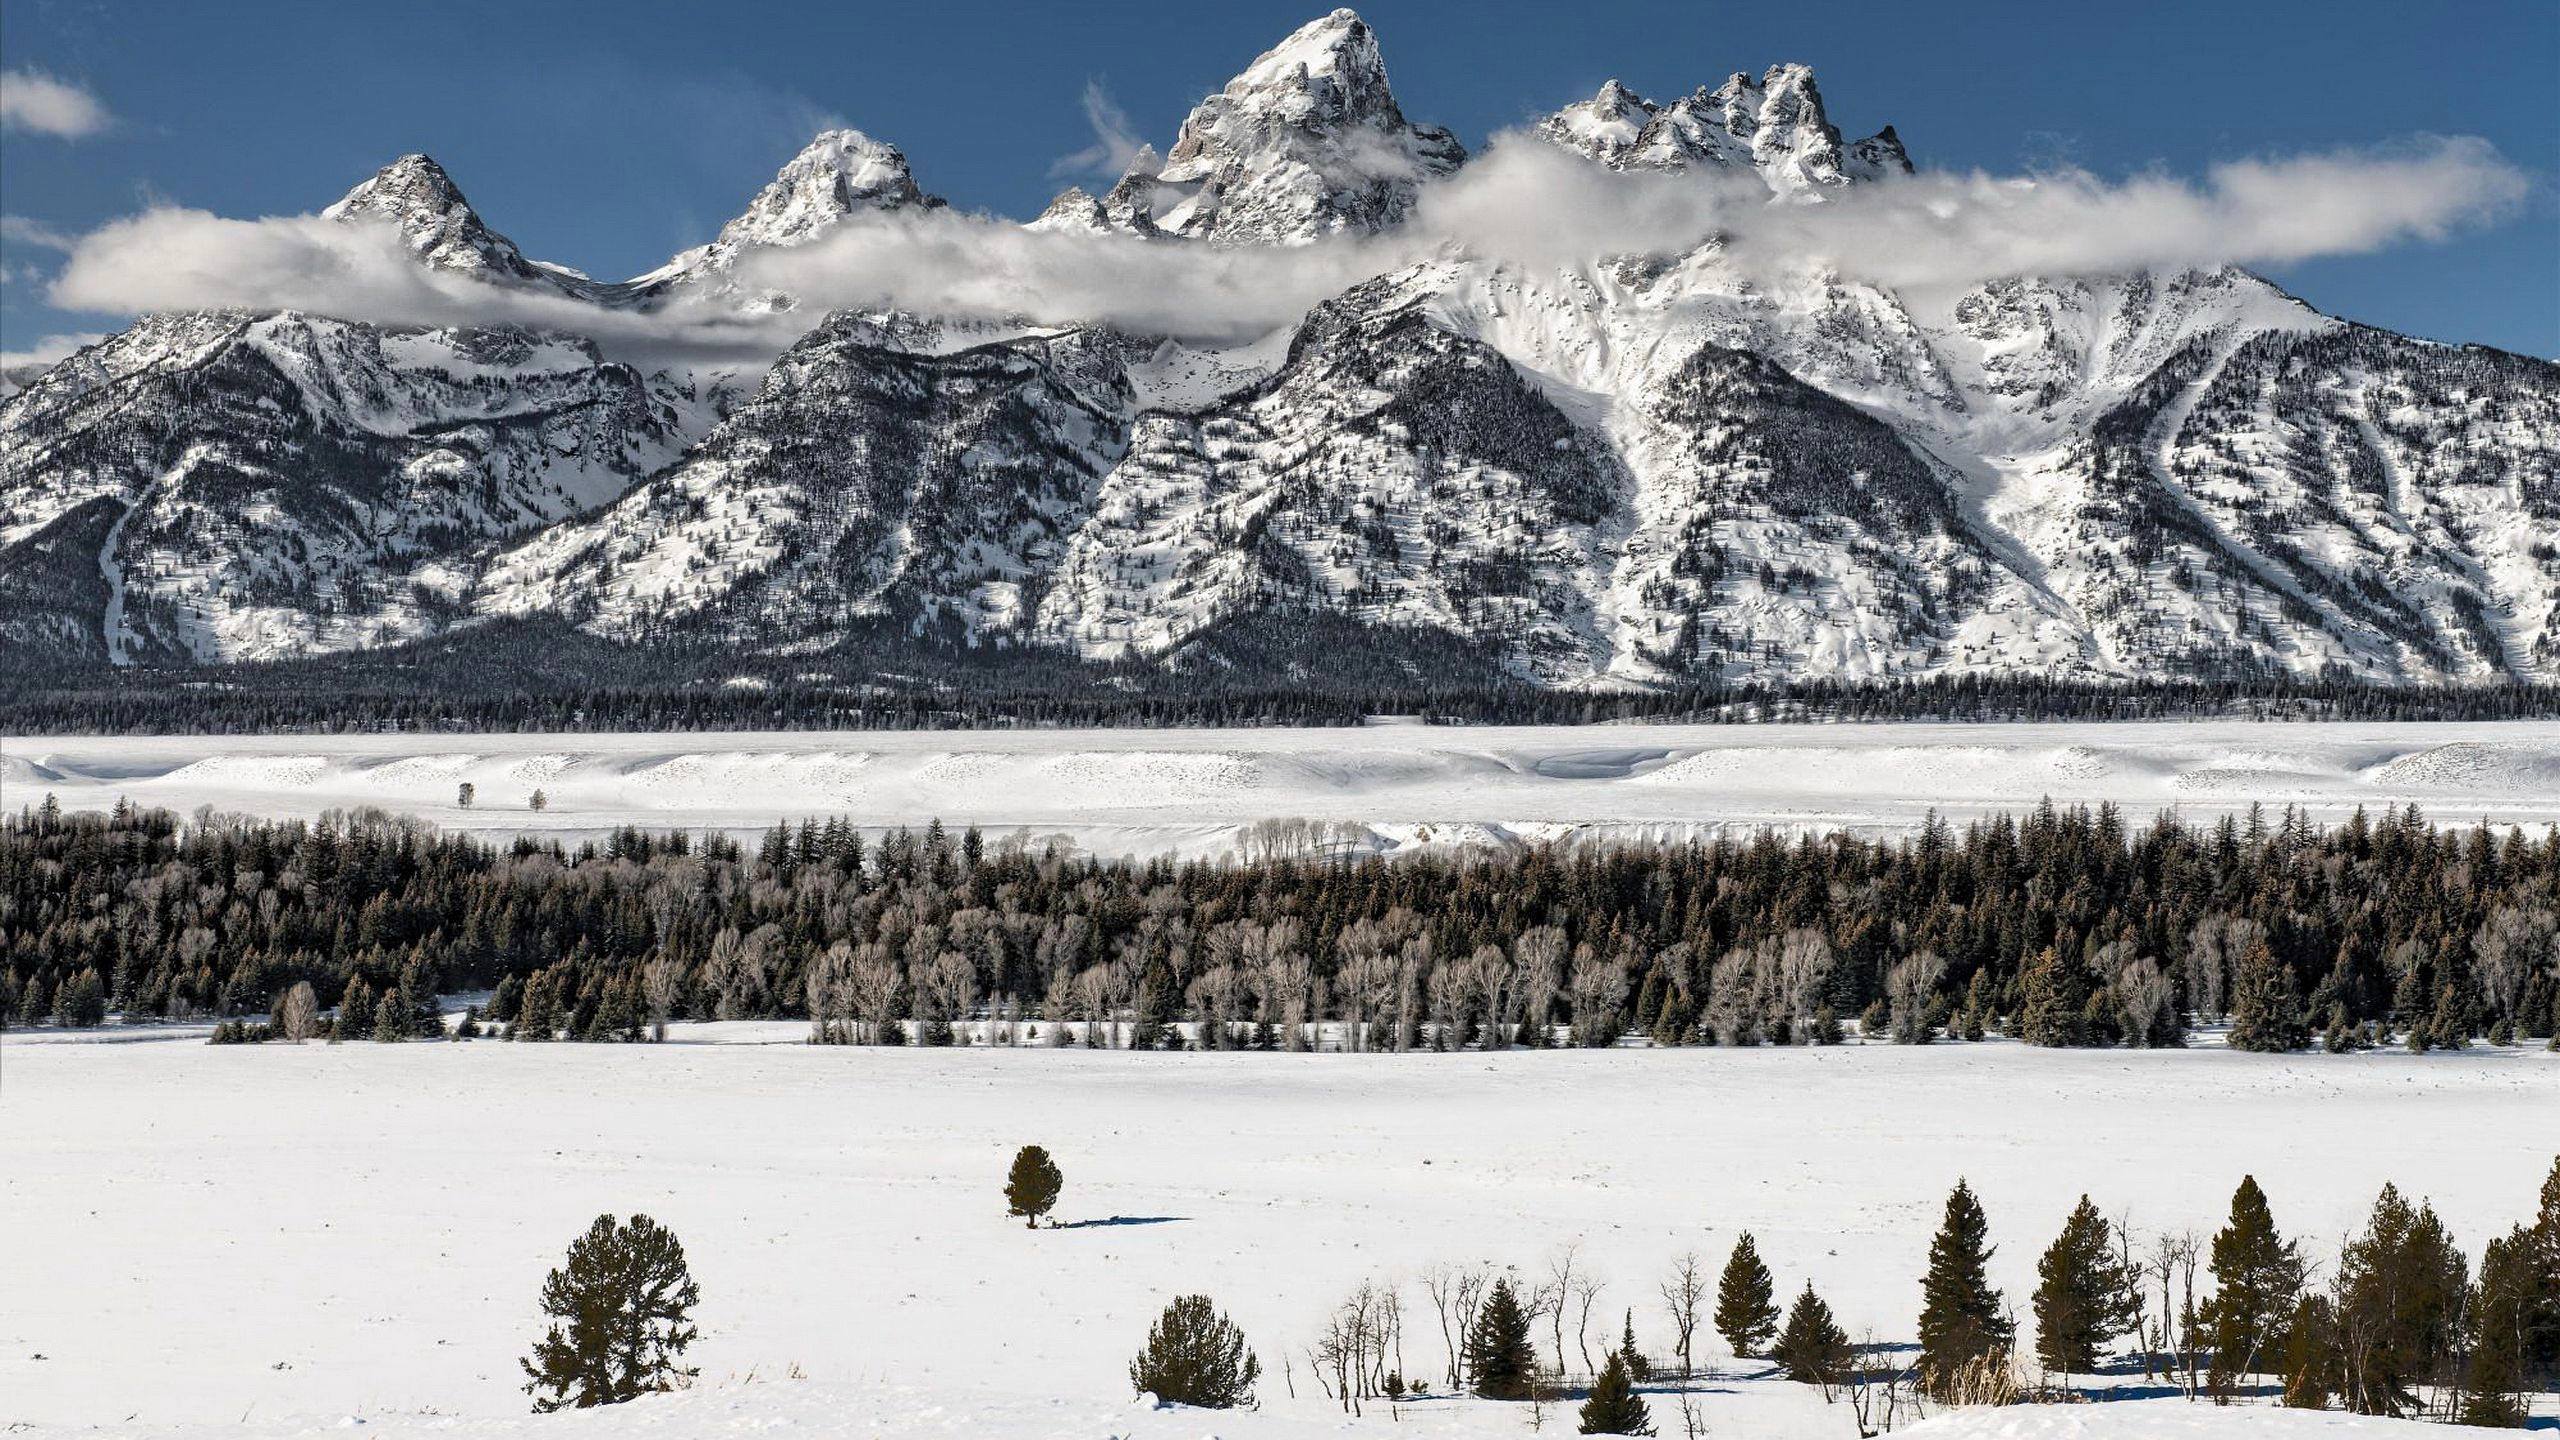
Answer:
[(1196, 792), (1609, 470), (302, 1235)]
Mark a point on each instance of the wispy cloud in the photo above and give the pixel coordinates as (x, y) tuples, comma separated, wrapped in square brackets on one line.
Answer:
[(1523, 203), (33, 234), (1115, 138), (42, 104)]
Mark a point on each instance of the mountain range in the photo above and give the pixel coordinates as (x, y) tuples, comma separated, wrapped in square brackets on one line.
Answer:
[(1636, 470)]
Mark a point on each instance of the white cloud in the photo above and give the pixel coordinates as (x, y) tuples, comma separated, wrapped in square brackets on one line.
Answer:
[(46, 351), (35, 234), (1523, 202), (32, 100), (1115, 138)]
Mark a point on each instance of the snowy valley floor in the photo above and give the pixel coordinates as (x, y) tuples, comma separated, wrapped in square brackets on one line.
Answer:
[(301, 1235), (1189, 791)]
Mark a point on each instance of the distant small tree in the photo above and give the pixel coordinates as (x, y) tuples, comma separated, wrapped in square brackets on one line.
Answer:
[(1031, 1187), (621, 1308), (1196, 1356), (466, 794), (1746, 1312), (1500, 1365), (2266, 1009), (538, 801), (1614, 1407), (1812, 1349), (1639, 1368)]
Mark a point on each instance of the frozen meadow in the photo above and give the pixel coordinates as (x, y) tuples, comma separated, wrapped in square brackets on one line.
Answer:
[(300, 1236), (1392, 786)]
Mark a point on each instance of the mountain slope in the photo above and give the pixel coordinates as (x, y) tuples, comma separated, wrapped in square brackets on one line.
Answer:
[(1624, 470)]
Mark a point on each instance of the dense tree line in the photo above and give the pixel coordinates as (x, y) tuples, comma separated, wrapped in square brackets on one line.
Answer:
[(1322, 670), (2060, 927)]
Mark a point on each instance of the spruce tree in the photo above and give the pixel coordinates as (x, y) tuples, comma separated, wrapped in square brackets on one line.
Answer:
[(2400, 1288), (621, 1308), (2257, 1277), (2080, 1296), (1031, 1187), (2542, 1321), (2266, 1009), (1812, 1349), (1638, 1368), (1746, 1312), (1614, 1408), (2310, 1354), (2495, 1325), (1499, 1363), (1196, 1356), (1960, 1314)]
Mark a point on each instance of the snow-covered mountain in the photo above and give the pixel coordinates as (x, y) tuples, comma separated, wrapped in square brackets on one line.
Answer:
[(1629, 470)]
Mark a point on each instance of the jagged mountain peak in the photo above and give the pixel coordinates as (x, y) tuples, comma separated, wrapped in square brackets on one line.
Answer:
[(835, 175), (1774, 124), (414, 194), (1308, 140)]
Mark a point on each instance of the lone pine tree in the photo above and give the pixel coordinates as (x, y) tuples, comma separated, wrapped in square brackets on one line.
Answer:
[(1745, 1313), (1196, 1356), (1961, 1322), (1031, 1187), (1500, 1365), (2082, 1293), (2257, 1277), (1812, 1349), (621, 1308), (1614, 1407)]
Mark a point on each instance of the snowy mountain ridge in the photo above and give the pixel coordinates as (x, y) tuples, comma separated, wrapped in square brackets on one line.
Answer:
[(1626, 470)]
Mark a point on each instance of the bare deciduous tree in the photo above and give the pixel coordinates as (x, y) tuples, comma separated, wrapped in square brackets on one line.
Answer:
[(1683, 1294)]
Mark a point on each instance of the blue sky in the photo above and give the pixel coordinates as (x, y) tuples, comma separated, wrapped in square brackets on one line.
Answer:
[(608, 136)]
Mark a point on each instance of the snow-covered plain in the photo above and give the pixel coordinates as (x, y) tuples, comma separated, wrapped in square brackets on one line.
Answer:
[(299, 1235), (1188, 791)]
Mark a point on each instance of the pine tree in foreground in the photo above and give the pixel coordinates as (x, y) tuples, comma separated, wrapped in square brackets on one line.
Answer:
[(2399, 1292), (1961, 1322), (2496, 1322), (1499, 1363), (2081, 1291), (2257, 1276), (621, 1307), (1746, 1315), (1614, 1407), (1196, 1356), (1031, 1187), (1813, 1349)]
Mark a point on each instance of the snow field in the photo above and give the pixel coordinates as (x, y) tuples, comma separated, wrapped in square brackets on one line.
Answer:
[(304, 1234), (1190, 791)]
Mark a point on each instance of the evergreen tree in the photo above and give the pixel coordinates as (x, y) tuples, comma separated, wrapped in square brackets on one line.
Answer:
[(1746, 1312), (1196, 1356), (621, 1308), (1638, 1367), (2495, 1325), (2399, 1292), (2081, 1291), (1499, 1363), (1812, 1349), (2542, 1319), (1614, 1408), (2266, 1009), (2257, 1278), (82, 1002), (2310, 1354), (391, 1018), (1961, 1321), (1031, 1187), (2054, 1004)]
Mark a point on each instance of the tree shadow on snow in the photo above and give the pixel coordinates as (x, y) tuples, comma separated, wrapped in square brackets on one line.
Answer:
[(1119, 1220)]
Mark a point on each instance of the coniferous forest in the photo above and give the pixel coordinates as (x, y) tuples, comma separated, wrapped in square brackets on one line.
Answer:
[(2061, 927)]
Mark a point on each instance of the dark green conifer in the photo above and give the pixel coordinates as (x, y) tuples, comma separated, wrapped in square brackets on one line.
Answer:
[(1499, 1363), (2257, 1277), (1812, 1349), (621, 1308), (1961, 1319), (1746, 1312), (1196, 1356), (2266, 1009), (1031, 1187), (1614, 1407), (2081, 1293)]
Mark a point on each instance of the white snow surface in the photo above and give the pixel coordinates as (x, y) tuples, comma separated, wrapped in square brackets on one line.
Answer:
[(318, 1237), (1191, 791)]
